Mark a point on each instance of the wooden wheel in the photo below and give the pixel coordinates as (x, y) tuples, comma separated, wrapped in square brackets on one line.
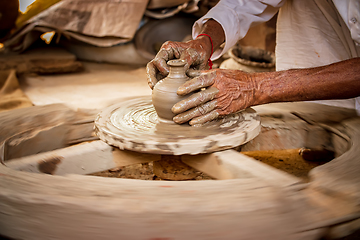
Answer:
[(253, 201)]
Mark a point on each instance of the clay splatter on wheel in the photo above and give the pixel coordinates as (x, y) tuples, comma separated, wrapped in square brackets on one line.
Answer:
[(133, 124)]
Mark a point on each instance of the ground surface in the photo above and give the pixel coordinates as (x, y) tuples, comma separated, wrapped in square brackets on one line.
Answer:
[(97, 87)]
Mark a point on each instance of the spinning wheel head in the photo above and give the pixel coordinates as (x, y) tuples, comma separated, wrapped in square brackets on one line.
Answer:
[(133, 124)]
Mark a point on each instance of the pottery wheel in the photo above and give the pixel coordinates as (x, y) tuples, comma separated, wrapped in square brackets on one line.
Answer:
[(133, 124)]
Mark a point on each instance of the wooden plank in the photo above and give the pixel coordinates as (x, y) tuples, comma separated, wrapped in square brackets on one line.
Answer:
[(83, 158), (125, 157), (81, 132), (209, 164), (78, 159), (232, 164)]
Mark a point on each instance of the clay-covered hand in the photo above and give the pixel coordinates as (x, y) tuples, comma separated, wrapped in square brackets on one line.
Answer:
[(221, 92), (195, 52)]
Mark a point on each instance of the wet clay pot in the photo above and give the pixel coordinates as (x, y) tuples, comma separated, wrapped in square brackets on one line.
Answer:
[(164, 94)]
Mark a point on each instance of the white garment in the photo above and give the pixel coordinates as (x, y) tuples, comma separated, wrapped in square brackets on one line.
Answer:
[(310, 33), (349, 10), (236, 17)]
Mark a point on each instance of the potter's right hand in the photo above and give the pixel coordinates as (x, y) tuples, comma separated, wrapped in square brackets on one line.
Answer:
[(215, 93), (195, 52)]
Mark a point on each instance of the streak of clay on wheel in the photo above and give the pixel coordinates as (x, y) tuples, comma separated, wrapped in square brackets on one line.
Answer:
[(134, 125)]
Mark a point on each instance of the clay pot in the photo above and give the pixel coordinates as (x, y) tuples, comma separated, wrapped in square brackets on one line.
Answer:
[(249, 59), (164, 94)]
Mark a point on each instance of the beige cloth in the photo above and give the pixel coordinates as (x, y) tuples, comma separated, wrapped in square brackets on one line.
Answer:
[(102, 23), (11, 96), (311, 33)]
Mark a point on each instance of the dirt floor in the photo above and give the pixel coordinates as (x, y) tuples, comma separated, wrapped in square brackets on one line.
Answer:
[(142, 171), (289, 161)]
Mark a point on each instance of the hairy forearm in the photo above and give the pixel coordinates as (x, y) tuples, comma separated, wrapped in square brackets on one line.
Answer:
[(335, 81)]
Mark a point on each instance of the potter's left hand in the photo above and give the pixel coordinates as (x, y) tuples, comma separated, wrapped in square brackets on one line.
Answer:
[(226, 91)]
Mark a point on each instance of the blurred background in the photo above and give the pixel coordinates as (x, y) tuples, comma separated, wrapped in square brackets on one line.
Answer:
[(47, 37)]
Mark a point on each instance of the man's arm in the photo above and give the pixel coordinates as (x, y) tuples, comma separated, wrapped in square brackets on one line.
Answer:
[(228, 91), (339, 80)]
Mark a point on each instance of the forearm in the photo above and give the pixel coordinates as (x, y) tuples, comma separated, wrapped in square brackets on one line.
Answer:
[(336, 81)]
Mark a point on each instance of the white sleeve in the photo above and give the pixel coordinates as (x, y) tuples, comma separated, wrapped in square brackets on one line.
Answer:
[(236, 17)]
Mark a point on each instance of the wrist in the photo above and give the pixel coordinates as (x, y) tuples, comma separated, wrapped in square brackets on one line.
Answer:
[(206, 39), (206, 42), (216, 31), (263, 90), (273, 87)]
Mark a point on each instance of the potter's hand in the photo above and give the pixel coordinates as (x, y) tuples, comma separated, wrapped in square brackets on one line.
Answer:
[(195, 52), (227, 91)]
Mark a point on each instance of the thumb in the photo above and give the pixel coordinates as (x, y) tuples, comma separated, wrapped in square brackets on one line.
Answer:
[(189, 56)]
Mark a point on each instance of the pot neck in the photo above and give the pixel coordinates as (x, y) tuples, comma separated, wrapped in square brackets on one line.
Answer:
[(177, 69)]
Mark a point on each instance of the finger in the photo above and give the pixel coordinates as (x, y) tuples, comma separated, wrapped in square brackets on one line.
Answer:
[(173, 49), (160, 61), (190, 56), (194, 100), (204, 80), (151, 72), (195, 112), (167, 52), (205, 118), (193, 73)]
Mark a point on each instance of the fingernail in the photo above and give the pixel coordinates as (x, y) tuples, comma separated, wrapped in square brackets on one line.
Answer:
[(197, 125), (194, 123), (180, 91), (177, 119), (183, 90), (175, 109)]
